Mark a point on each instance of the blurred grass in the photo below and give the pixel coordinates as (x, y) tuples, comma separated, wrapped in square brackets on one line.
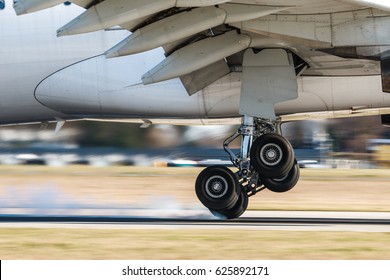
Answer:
[(318, 189), (189, 244)]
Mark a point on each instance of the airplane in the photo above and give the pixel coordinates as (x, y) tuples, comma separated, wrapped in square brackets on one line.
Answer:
[(257, 63)]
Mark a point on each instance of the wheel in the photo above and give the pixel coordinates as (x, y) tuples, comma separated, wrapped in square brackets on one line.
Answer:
[(217, 188), (285, 183), (237, 210), (272, 155)]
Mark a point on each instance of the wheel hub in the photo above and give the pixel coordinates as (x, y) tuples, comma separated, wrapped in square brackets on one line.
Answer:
[(216, 186), (271, 154)]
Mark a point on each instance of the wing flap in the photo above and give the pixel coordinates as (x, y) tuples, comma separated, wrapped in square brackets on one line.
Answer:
[(196, 56), (203, 77), (113, 12), (29, 6)]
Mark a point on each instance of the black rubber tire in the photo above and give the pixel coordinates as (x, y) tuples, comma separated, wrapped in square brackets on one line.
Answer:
[(221, 176), (284, 184), (272, 155), (237, 210)]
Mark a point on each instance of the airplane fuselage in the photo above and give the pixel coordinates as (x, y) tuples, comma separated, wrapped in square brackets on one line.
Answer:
[(30, 52), (44, 78)]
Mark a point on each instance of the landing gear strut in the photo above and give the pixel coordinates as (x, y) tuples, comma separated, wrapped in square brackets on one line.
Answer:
[(266, 161)]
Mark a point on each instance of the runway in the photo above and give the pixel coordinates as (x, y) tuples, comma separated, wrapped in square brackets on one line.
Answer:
[(199, 219)]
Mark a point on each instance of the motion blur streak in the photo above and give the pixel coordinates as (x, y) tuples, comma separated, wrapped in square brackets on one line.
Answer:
[(50, 200)]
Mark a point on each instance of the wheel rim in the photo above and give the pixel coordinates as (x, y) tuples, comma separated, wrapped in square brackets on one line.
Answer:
[(216, 186), (271, 154)]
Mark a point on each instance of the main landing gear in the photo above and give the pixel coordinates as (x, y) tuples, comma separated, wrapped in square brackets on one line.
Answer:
[(266, 161)]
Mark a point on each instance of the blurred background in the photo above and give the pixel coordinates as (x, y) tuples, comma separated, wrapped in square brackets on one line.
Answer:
[(323, 148), (341, 143)]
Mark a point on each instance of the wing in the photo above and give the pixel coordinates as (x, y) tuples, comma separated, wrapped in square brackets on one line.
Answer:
[(204, 39)]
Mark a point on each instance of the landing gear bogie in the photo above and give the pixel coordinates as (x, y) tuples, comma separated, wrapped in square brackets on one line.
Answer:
[(266, 161)]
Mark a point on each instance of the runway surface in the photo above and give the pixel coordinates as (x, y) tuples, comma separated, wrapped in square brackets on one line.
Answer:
[(201, 219)]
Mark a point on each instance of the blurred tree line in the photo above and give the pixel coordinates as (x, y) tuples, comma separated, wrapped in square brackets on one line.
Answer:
[(127, 135), (345, 134), (352, 134), (100, 134)]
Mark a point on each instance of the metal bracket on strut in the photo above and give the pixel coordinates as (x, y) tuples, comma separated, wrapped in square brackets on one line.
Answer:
[(233, 157), (246, 131), (249, 130), (263, 126)]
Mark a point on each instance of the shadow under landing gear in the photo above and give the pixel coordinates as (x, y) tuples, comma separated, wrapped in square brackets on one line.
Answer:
[(266, 161)]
